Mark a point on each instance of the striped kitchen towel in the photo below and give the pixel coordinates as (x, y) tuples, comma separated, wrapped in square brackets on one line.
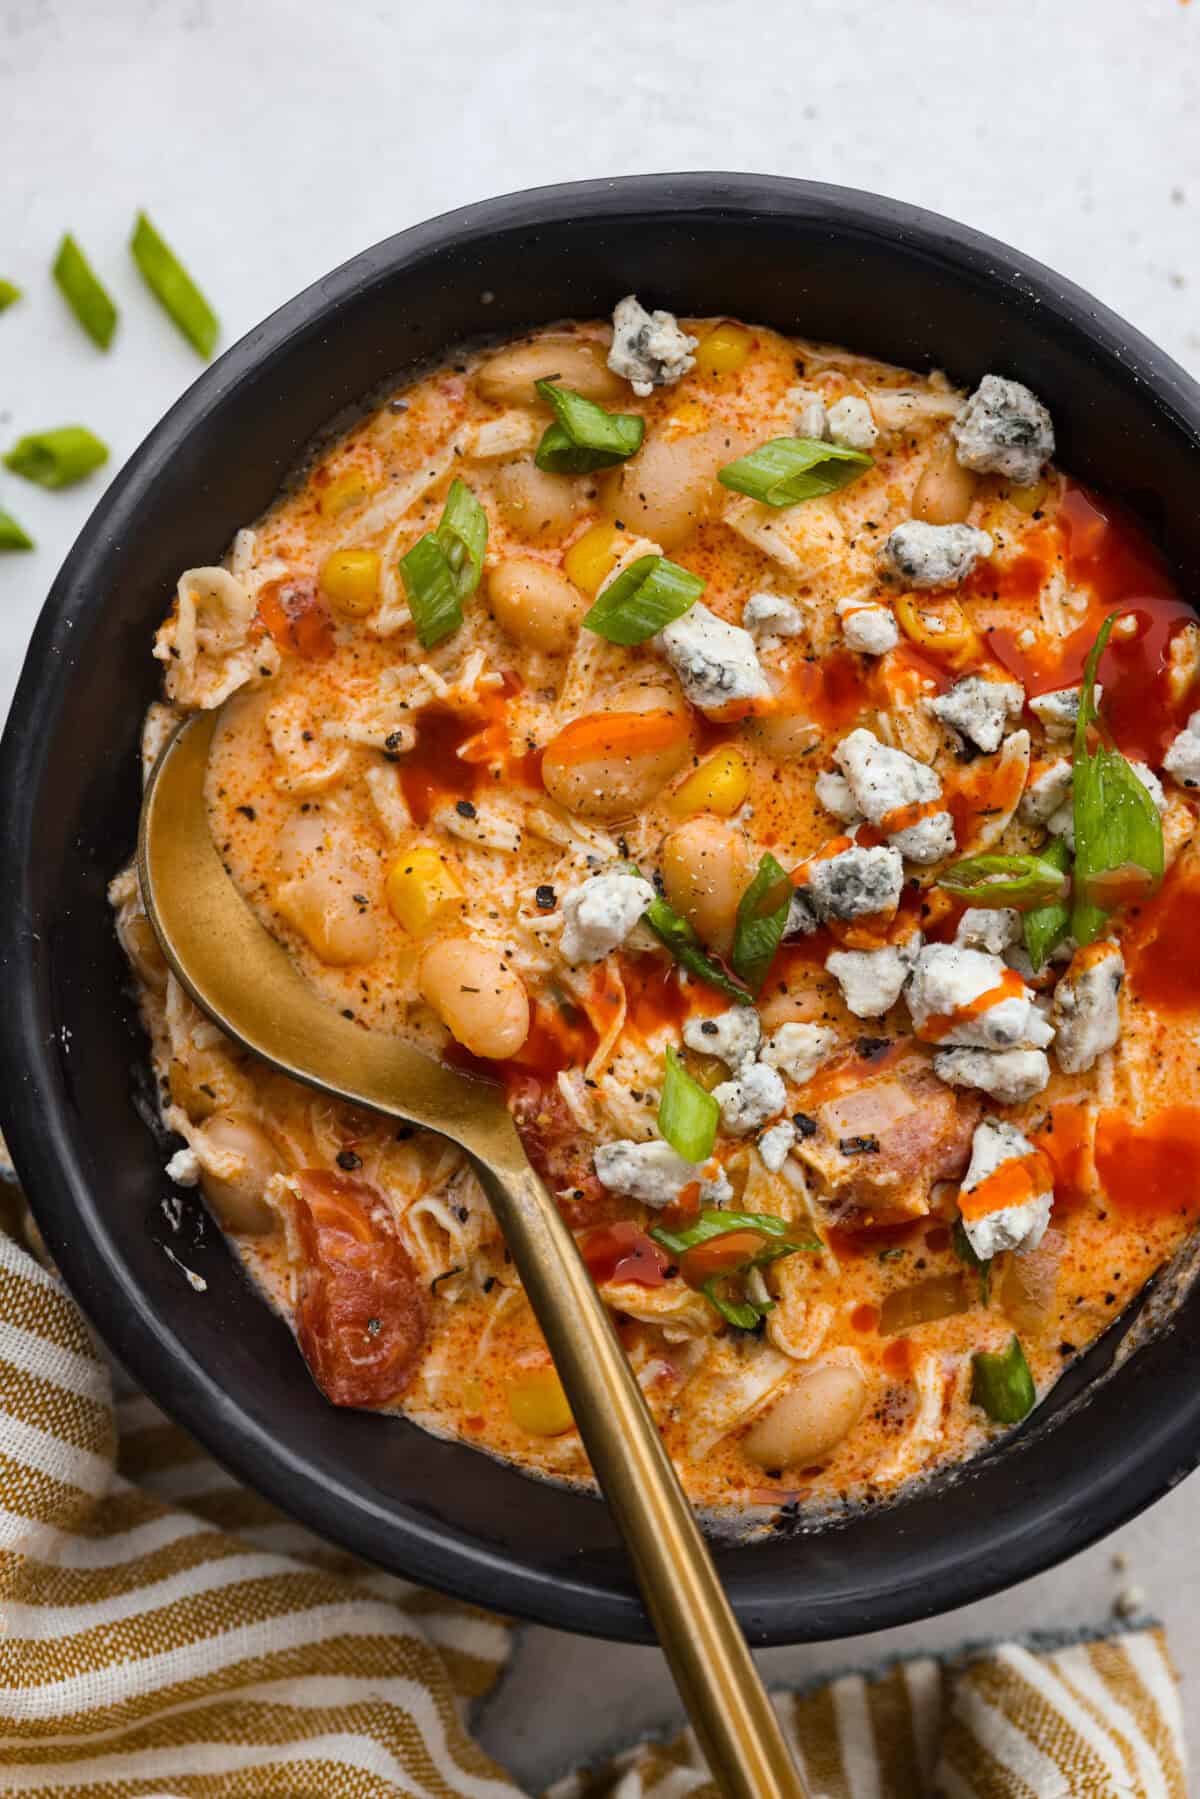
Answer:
[(166, 1634)]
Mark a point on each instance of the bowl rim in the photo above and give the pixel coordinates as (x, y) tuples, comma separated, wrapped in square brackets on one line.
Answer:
[(1155, 1451)]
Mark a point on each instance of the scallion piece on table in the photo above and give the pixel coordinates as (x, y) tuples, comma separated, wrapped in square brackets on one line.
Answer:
[(1002, 1384), (444, 566), (644, 597), (10, 293), (785, 470), (583, 436), (687, 1115), (12, 535), (1019, 881), (173, 287), (1044, 927), (84, 293), (678, 936), (757, 934), (57, 458), (1117, 826)]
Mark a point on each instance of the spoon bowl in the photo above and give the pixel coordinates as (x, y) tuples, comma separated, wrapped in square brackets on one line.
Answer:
[(244, 980)]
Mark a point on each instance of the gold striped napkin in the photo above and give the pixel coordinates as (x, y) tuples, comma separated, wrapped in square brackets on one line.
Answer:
[(166, 1633)]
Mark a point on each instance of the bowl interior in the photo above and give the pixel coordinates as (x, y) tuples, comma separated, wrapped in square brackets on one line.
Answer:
[(821, 262)]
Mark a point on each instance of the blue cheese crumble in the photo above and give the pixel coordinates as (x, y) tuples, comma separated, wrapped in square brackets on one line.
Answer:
[(1004, 430), (924, 555), (716, 662), (649, 349), (979, 709), (1009, 1227), (1086, 1012), (882, 781), (599, 914)]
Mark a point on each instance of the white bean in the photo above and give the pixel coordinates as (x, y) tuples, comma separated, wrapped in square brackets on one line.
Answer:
[(479, 999), (536, 604), (810, 1420), (574, 362)]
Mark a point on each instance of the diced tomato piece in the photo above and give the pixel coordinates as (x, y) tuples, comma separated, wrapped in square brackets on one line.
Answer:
[(297, 619), (363, 1310), (554, 1144), (623, 1252)]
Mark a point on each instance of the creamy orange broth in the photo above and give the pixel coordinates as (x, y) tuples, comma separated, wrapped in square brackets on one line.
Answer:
[(344, 746)]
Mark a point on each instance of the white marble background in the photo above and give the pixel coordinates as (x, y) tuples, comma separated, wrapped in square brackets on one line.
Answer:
[(271, 139)]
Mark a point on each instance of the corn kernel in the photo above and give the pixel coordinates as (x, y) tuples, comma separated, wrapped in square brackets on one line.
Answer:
[(592, 556), (724, 350), (345, 490), (1027, 499), (421, 887), (350, 581), (537, 1403), (719, 785)]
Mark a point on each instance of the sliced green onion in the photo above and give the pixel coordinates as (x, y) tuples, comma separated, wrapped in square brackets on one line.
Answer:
[(1019, 881), (463, 533), (444, 566), (1116, 821), (677, 935), (583, 436), (965, 1252), (712, 1224), (1044, 927), (757, 935), (173, 287), (1003, 1385), (687, 1115), (85, 295), (644, 597), (786, 470), (12, 535), (743, 1314), (432, 591), (57, 458), (10, 293)]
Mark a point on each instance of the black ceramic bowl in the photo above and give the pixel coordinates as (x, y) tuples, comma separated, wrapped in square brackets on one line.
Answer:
[(826, 262)]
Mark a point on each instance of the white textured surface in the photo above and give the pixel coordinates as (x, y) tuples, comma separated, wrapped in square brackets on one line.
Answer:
[(271, 139)]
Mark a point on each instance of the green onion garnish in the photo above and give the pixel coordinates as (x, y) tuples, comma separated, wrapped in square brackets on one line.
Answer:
[(678, 936), (1003, 1385), (1116, 822), (583, 436), (443, 568), (1019, 881), (1044, 927), (12, 536), (712, 1224), (83, 292), (687, 1115), (743, 1313), (756, 934), (57, 458), (9, 294), (965, 1252), (786, 470), (644, 597), (173, 287)]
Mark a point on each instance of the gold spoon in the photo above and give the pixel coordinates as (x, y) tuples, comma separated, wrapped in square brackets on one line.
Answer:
[(243, 979)]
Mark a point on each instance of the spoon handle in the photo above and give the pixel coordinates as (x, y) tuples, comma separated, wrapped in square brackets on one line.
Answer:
[(717, 1680)]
